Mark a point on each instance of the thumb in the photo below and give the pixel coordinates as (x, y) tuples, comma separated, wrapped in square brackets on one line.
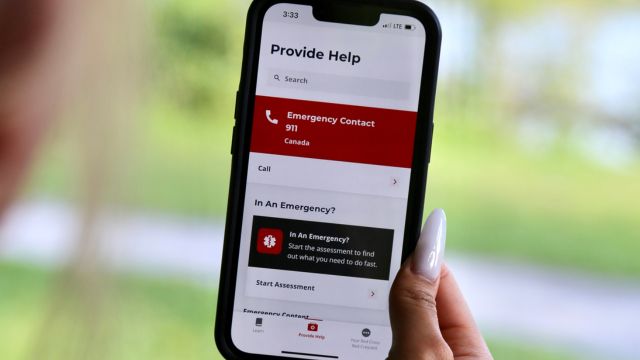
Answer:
[(412, 302)]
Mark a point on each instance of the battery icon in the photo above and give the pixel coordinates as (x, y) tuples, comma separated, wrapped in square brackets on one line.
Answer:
[(409, 27)]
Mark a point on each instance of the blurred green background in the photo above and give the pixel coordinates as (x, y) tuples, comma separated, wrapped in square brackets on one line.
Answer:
[(535, 155)]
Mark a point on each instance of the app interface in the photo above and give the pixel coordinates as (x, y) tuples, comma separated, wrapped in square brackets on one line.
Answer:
[(330, 160)]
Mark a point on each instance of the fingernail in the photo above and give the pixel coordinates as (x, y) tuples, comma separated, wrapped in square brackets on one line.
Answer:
[(429, 252)]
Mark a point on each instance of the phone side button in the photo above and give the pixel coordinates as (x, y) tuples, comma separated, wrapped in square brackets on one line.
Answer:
[(236, 113), (233, 140), (433, 127)]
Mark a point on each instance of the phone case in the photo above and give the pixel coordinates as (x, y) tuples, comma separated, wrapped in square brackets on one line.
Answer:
[(242, 134)]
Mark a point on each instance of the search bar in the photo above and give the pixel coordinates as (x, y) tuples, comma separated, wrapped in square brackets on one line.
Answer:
[(338, 84)]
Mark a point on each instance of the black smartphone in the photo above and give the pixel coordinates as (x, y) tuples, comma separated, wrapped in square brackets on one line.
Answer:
[(334, 120)]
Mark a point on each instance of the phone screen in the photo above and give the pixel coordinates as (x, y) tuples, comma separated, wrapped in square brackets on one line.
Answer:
[(328, 175)]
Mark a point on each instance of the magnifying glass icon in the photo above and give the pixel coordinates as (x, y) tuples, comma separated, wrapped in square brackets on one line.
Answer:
[(276, 77)]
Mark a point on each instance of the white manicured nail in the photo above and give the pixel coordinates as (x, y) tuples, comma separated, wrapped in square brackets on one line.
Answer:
[(429, 252)]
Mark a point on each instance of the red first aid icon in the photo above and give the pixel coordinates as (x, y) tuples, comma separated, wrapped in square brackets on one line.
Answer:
[(269, 241), (312, 327)]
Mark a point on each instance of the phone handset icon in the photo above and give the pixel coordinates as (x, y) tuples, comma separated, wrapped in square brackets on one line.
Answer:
[(269, 119)]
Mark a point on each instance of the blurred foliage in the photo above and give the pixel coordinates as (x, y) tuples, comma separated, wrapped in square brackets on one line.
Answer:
[(510, 9), (192, 50), (547, 204), (145, 319), (505, 350)]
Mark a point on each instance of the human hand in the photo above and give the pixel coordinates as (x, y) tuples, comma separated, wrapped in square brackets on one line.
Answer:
[(429, 316)]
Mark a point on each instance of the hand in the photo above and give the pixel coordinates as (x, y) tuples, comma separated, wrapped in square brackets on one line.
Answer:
[(429, 316)]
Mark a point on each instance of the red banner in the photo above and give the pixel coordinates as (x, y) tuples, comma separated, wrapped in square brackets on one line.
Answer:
[(333, 132)]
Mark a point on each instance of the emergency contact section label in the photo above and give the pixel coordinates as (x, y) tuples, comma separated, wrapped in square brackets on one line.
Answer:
[(333, 131), (317, 247)]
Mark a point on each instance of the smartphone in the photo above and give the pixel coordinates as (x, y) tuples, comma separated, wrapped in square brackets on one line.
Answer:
[(334, 120)]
